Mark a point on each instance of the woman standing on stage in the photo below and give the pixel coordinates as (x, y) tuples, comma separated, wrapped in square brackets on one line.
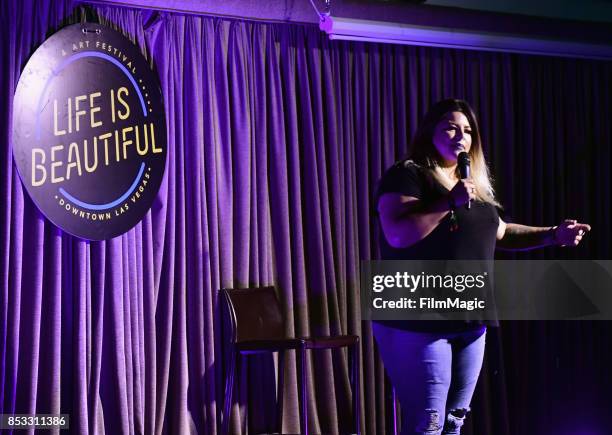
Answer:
[(434, 366)]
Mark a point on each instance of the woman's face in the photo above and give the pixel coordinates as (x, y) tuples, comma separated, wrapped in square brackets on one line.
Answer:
[(452, 135)]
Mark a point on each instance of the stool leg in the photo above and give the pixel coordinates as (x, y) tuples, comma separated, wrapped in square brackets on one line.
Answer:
[(301, 359), (281, 390), (394, 395), (229, 388), (355, 388)]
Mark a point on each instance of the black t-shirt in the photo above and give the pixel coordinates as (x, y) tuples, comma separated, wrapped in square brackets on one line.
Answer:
[(474, 239)]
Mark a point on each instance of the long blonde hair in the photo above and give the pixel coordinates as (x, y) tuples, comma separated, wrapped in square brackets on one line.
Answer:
[(424, 152)]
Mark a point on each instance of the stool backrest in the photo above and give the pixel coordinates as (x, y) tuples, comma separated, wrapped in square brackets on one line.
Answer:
[(254, 313)]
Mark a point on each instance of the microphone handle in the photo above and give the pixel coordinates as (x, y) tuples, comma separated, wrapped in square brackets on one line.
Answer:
[(465, 170)]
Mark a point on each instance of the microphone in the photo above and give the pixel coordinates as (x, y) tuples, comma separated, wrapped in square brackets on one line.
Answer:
[(463, 161)]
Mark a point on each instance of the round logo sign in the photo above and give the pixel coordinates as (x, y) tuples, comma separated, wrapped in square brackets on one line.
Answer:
[(89, 131)]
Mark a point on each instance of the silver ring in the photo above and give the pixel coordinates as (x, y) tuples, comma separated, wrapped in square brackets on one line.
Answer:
[(580, 232)]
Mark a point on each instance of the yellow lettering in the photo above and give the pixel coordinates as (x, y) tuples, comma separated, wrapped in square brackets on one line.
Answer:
[(117, 145), (95, 154), (113, 105), (126, 142), (73, 149), (146, 146), (56, 132), (94, 109), (55, 164), (124, 115), (78, 113), (105, 137), (69, 115), (153, 148), (38, 166)]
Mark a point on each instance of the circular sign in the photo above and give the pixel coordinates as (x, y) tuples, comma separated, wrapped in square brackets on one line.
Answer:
[(89, 131)]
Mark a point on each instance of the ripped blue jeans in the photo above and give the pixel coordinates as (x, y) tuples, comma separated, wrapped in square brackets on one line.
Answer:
[(434, 375)]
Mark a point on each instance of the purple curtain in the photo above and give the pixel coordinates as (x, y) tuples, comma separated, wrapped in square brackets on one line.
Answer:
[(276, 138)]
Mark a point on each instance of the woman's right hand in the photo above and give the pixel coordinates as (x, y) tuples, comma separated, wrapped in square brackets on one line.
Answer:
[(463, 192)]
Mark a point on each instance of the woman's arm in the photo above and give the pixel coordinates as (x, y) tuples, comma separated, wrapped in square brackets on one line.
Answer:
[(406, 220), (516, 237)]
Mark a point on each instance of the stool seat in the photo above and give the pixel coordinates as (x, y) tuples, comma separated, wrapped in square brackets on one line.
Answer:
[(257, 325)]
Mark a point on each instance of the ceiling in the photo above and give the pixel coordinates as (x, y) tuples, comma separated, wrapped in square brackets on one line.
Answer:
[(573, 20), (583, 10)]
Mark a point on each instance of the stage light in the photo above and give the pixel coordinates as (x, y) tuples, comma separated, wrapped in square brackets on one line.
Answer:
[(406, 34)]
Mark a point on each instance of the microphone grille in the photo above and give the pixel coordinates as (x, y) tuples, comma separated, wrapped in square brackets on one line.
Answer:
[(463, 158)]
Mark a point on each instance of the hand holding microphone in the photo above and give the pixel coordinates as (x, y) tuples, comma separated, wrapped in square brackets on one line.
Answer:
[(463, 192), (465, 189)]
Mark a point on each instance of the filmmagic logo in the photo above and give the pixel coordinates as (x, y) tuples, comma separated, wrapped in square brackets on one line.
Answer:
[(427, 292), (485, 290), (89, 131), (429, 304)]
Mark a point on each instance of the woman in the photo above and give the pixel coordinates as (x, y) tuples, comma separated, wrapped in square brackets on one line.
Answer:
[(422, 201)]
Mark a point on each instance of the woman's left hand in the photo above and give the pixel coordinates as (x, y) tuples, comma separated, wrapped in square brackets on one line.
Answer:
[(570, 232)]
